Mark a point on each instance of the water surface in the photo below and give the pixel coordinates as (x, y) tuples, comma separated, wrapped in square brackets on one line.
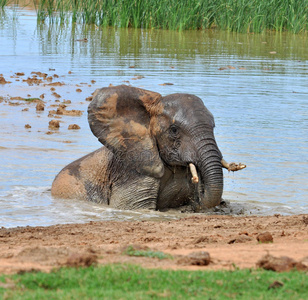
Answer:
[(255, 85)]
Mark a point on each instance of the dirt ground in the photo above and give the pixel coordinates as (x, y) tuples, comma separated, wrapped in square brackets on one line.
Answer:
[(231, 242)]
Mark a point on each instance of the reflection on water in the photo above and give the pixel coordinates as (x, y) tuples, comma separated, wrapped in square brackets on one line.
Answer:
[(255, 85)]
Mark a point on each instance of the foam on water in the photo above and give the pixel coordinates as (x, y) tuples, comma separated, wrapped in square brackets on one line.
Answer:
[(34, 206)]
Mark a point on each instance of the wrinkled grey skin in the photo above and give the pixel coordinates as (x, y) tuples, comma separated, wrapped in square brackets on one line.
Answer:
[(149, 168)]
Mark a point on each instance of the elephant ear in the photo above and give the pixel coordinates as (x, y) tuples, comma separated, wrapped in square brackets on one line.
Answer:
[(121, 117)]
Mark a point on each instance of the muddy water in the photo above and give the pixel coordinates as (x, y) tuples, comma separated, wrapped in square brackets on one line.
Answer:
[(255, 85)]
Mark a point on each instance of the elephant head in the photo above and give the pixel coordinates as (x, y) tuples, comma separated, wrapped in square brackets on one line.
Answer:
[(150, 134)]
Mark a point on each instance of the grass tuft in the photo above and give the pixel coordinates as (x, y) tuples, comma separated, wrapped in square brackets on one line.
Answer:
[(131, 251), (32, 99)]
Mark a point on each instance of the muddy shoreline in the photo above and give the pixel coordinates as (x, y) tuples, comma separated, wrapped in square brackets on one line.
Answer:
[(232, 242)]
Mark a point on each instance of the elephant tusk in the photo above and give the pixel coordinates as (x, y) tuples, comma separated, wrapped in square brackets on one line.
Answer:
[(232, 166), (224, 164), (195, 178)]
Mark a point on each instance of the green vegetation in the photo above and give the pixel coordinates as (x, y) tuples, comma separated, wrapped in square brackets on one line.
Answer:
[(3, 3), (233, 15), (131, 251), (32, 99), (131, 282)]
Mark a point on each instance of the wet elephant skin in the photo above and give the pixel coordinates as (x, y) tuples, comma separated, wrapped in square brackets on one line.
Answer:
[(149, 141)]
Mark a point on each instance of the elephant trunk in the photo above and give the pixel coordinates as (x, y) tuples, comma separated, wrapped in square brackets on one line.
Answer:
[(210, 186)]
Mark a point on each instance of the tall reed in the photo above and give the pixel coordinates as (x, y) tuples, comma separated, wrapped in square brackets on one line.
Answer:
[(233, 15), (4, 3)]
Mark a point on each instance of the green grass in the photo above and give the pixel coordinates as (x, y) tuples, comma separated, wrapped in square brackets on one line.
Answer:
[(3, 3), (132, 282), (233, 15), (131, 251), (32, 99)]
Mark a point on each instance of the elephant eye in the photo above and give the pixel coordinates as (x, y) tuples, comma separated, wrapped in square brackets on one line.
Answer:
[(174, 130)]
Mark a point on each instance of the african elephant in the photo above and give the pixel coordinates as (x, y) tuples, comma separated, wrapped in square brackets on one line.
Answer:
[(159, 152)]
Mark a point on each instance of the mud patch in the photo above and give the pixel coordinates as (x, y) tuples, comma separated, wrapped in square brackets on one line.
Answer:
[(61, 110), (201, 258), (32, 81), (43, 255), (224, 208), (55, 84), (73, 127), (240, 239), (54, 124), (40, 106), (83, 259), (56, 256), (265, 237), (3, 81), (280, 264)]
